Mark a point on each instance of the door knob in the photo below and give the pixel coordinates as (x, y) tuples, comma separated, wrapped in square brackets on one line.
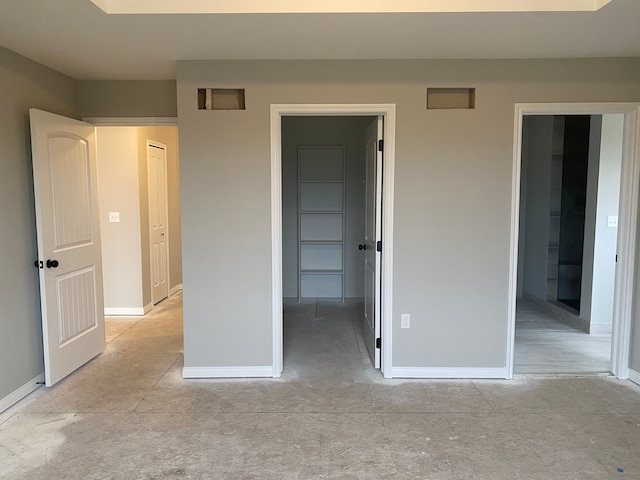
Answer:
[(52, 263), (362, 246)]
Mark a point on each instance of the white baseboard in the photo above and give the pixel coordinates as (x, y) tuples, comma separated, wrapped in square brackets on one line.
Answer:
[(454, 372), (147, 308), (124, 311), (175, 289), (21, 392), (634, 376), (227, 372)]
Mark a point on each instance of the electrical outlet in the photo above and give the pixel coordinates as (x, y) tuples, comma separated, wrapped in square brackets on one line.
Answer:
[(405, 320), (114, 217)]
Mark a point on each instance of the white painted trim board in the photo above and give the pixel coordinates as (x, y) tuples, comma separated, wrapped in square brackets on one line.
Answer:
[(132, 121), (17, 395), (227, 372), (124, 311), (175, 289), (449, 372), (634, 376)]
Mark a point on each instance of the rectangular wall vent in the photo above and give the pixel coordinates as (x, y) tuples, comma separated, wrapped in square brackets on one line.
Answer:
[(221, 99), (451, 98)]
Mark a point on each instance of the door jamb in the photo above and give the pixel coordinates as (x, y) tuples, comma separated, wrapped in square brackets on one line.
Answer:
[(627, 225), (388, 112)]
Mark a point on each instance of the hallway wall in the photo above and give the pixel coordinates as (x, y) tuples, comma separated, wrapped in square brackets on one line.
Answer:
[(122, 165)]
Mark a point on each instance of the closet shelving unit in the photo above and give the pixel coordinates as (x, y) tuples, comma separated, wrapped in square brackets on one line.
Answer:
[(321, 222)]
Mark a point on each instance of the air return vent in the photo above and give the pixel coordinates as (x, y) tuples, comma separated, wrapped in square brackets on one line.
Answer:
[(451, 98), (221, 99)]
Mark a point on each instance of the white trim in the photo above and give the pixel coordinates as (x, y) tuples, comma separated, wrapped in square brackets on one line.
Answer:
[(175, 289), (626, 248), (627, 226), (132, 121), (124, 311), (633, 376), (276, 240), (194, 7), (388, 111), (148, 307), (451, 372), (17, 395), (227, 372)]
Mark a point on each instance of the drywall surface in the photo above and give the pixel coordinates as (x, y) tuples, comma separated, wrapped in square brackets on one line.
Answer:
[(591, 201), (127, 98), (325, 131), (604, 264), (538, 131), (452, 196), (118, 191), (24, 84)]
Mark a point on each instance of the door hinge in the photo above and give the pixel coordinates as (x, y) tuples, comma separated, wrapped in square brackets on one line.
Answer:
[(380, 145), (378, 343), (616, 258), (379, 246)]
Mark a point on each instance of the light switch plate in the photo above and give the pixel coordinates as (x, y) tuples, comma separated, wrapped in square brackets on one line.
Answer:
[(114, 217)]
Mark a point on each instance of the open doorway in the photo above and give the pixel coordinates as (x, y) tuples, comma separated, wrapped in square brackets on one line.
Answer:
[(138, 189), (324, 218), (317, 256), (573, 276), (569, 199)]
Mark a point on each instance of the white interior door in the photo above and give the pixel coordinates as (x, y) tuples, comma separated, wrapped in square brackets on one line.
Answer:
[(157, 185), (372, 235), (68, 230)]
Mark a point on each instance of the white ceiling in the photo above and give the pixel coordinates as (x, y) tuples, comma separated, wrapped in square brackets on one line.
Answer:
[(77, 38)]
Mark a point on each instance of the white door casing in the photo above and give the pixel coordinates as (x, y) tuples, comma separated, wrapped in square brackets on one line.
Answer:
[(158, 235), (68, 231), (372, 235)]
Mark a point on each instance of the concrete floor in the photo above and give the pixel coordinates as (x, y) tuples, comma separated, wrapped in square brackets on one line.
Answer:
[(128, 414)]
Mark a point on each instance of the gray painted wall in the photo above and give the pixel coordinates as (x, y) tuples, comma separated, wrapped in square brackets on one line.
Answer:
[(23, 84), (325, 131), (131, 98), (534, 245), (452, 202)]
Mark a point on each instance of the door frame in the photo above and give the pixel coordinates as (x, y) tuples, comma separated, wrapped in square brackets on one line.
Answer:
[(163, 147), (388, 112), (139, 122), (627, 223)]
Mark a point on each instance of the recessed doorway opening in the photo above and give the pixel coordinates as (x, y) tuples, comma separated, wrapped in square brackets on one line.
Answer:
[(331, 215), (573, 239)]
